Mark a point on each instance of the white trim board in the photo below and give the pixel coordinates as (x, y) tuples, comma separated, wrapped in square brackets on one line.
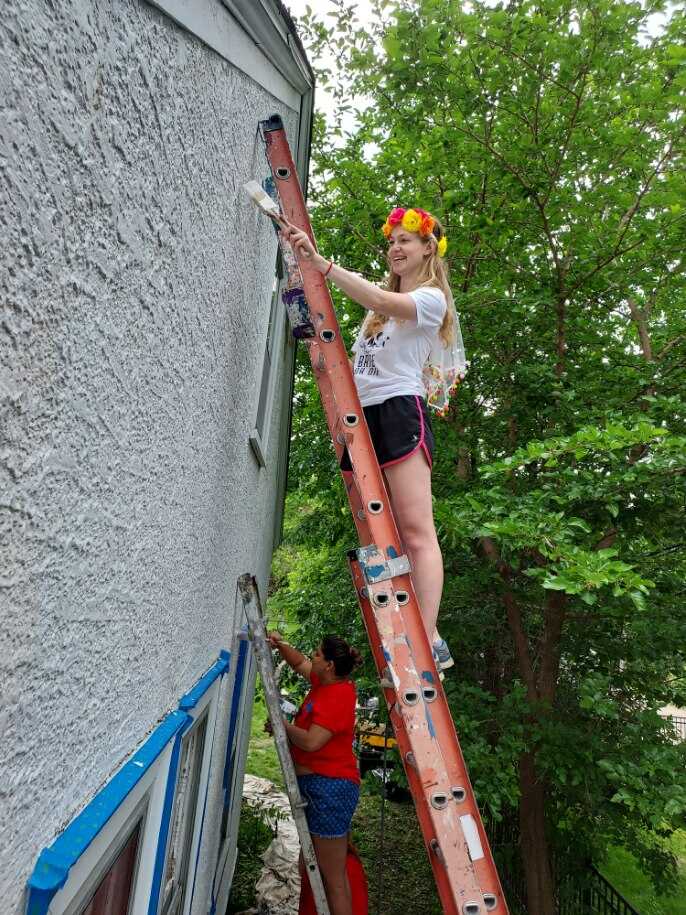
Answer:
[(213, 24), (263, 21)]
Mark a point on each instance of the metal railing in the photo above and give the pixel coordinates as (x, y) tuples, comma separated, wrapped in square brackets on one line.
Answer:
[(679, 726), (584, 893), (592, 894)]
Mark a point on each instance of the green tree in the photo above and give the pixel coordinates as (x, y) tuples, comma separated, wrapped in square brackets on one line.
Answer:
[(549, 137)]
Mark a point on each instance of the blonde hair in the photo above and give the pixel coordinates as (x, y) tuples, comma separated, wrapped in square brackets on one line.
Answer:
[(433, 273)]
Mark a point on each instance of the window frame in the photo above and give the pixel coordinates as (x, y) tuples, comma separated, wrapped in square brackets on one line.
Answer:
[(137, 818), (201, 703), (172, 905), (285, 436), (68, 872), (242, 693), (272, 360)]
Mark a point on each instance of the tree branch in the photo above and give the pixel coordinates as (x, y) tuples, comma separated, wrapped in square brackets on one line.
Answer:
[(554, 618), (514, 618), (639, 317), (607, 539)]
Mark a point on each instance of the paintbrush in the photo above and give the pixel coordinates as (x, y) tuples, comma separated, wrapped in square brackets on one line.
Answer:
[(265, 203)]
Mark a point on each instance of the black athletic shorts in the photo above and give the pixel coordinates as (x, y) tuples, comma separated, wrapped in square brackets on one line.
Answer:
[(399, 426)]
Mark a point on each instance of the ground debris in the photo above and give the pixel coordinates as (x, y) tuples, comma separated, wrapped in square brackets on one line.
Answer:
[(278, 888)]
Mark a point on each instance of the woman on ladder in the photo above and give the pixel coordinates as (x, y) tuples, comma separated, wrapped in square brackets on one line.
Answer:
[(408, 357), (321, 738)]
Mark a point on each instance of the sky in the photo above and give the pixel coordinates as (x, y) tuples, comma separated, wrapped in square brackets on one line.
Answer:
[(323, 100), (297, 7), (325, 103)]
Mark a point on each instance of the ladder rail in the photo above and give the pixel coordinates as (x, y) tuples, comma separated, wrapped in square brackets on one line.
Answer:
[(460, 856), (252, 605), (457, 774)]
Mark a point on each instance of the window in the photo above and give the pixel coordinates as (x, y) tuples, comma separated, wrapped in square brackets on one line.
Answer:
[(183, 819), (285, 441), (236, 751), (133, 848), (114, 892), (232, 768), (260, 434)]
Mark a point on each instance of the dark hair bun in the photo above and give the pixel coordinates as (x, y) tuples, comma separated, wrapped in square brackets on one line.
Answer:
[(345, 658), (356, 657)]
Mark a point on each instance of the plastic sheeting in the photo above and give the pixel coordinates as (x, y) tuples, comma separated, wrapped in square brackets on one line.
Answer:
[(278, 888)]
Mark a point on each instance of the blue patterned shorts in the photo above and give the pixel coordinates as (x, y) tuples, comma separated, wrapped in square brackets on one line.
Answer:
[(331, 803)]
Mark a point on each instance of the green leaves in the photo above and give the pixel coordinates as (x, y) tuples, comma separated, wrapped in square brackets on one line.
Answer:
[(587, 443), (550, 140), (676, 53)]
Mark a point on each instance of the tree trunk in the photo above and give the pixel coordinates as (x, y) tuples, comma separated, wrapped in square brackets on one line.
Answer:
[(540, 885)]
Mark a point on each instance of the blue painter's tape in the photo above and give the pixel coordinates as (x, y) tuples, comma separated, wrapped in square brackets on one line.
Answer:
[(161, 853), (233, 720), (269, 186), (54, 863), (427, 675), (49, 875), (193, 696), (430, 721)]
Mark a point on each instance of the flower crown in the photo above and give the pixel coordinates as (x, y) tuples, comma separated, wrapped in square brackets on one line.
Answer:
[(414, 220)]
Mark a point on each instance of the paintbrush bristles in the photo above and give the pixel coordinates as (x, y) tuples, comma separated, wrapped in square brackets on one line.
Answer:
[(261, 199)]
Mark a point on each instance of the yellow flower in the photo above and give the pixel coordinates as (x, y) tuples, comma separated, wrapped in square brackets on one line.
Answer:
[(386, 228), (412, 221), (442, 246)]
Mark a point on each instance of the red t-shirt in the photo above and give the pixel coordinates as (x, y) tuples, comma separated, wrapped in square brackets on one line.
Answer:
[(358, 888), (331, 706)]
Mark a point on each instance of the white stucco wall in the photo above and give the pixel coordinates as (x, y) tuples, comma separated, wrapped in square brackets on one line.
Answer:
[(135, 286)]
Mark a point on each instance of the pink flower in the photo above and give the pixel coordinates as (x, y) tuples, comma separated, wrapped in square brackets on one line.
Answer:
[(396, 215)]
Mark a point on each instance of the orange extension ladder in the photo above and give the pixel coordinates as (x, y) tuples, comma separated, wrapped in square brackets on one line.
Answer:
[(454, 835)]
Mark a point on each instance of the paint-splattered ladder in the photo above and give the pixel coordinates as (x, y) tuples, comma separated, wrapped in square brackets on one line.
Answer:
[(258, 638), (460, 855)]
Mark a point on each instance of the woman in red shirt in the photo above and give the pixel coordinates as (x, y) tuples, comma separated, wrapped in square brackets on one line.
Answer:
[(321, 738)]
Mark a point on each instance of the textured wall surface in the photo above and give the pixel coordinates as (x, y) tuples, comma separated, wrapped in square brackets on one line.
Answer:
[(135, 286)]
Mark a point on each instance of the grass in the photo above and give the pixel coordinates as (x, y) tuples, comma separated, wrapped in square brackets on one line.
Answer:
[(262, 759), (407, 883), (623, 871)]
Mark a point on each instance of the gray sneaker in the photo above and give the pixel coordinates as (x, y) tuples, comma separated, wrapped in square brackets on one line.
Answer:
[(444, 659)]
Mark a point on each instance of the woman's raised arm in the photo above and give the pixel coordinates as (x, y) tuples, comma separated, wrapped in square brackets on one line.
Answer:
[(294, 658), (392, 304)]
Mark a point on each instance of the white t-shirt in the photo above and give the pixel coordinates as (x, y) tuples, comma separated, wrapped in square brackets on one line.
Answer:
[(390, 363)]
